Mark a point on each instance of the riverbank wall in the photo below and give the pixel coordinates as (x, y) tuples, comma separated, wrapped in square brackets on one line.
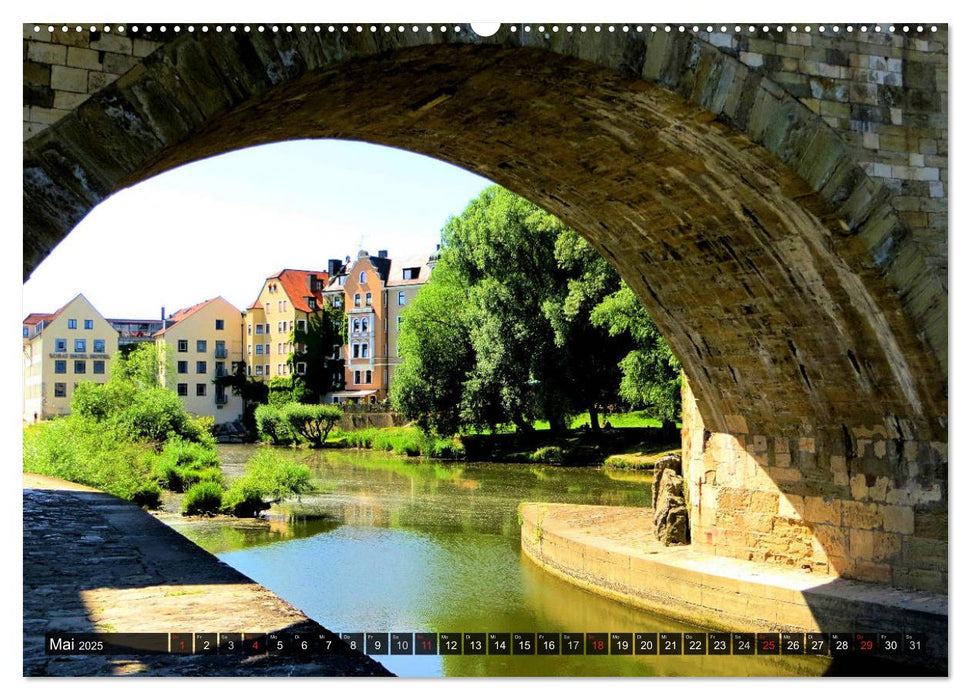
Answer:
[(612, 551), (96, 563)]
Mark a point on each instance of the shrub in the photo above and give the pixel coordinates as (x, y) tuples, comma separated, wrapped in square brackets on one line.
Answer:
[(550, 454), (155, 414), (183, 463), (204, 498), (268, 477), (271, 424), (312, 422), (149, 495)]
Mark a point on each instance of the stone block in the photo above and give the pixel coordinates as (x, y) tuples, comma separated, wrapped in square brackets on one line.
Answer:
[(143, 47), (790, 506), (83, 58), (113, 43), (819, 510), (886, 546), (924, 553), (43, 115), (864, 516), (898, 519), (921, 579), (119, 63), (68, 100), (69, 79), (37, 74), (858, 486), (97, 80), (861, 544), (46, 53)]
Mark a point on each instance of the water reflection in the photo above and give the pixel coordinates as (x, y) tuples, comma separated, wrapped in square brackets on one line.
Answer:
[(405, 545)]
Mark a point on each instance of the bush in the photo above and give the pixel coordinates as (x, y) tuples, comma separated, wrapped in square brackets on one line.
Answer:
[(183, 463), (268, 477), (149, 495), (271, 424), (204, 498), (312, 422), (550, 454), (157, 413)]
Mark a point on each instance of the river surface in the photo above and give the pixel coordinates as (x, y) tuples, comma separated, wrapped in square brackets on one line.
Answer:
[(405, 545)]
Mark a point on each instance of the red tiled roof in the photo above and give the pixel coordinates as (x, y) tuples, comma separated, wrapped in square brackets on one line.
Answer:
[(35, 318), (296, 285)]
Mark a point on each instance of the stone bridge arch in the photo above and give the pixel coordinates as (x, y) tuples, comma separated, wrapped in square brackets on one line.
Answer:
[(809, 313)]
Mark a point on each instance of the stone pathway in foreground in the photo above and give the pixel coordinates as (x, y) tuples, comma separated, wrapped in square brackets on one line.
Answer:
[(95, 563)]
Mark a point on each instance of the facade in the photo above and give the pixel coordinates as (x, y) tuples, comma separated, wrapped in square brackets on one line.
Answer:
[(285, 303), (374, 290), (60, 350), (204, 342)]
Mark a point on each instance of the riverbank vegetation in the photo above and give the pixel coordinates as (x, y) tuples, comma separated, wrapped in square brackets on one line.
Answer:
[(132, 437)]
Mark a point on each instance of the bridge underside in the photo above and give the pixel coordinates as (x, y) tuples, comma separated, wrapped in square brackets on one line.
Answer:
[(816, 418)]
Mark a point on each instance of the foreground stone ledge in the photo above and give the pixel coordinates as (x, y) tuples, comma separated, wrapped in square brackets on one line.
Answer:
[(95, 563), (610, 550)]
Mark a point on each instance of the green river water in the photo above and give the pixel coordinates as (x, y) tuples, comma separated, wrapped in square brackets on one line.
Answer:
[(406, 545)]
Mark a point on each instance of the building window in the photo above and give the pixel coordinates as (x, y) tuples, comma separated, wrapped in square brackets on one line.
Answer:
[(60, 345), (259, 349), (301, 368), (26, 331), (266, 308), (200, 346), (362, 278), (357, 350), (182, 389), (99, 345), (337, 351), (201, 367), (266, 368), (364, 325), (183, 367), (220, 394), (364, 350), (220, 324), (80, 345), (60, 389), (200, 389), (398, 323), (357, 376), (410, 273), (249, 329), (337, 302), (249, 370), (259, 370), (99, 367), (357, 325), (80, 366), (357, 300), (311, 303), (401, 298), (60, 366), (367, 376), (220, 369), (183, 345), (72, 323), (266, 349), (259, 329), (302, 325), (88, 324), (367, 299)]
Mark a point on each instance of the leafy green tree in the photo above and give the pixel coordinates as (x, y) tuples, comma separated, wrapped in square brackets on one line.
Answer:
[(312, 422), (511, 294), (253, 392), (143, 365), (284, 390), (272, 425), (651, 372)]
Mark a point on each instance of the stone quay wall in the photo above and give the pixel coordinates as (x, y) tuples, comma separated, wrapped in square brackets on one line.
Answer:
[(859, 504)]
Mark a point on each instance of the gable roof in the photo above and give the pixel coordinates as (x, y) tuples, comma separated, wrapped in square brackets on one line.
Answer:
[(36, 317), (296, 285), (182, 314)]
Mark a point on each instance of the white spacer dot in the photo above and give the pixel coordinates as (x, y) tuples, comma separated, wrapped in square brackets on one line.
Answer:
[(920, 27), (933, 27), (176, 29), (906, 28), (107, 29)]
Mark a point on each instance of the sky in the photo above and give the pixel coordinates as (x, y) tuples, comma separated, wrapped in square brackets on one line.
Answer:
[(220, 226)]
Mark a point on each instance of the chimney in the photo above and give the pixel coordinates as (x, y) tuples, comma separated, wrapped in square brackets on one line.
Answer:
[(163, 318), (382, 253)]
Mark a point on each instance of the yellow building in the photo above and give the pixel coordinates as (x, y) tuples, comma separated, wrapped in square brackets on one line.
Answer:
[(204, 342), (61, 349), (285, 303)]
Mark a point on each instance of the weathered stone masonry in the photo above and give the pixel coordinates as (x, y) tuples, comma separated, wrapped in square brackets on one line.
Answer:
[(777, 200)]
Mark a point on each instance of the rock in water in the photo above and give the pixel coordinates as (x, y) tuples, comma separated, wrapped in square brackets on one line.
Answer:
[(670, 510)]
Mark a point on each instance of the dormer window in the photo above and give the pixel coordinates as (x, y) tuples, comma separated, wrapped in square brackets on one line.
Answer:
[(312, 303), (410, 273)]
